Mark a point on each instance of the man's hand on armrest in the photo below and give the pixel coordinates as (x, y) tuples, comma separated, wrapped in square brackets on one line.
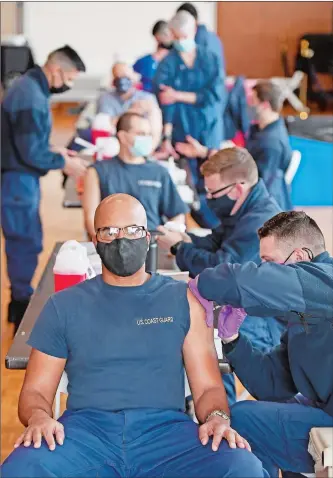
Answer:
[(35, 405)]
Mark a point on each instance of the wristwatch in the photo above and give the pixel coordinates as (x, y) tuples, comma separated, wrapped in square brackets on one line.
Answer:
[(175, 247), (218, 413), (166, 137)]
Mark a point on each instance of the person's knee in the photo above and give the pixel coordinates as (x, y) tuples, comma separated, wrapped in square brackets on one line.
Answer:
[(243, 415), (25, 463), (245, 463)]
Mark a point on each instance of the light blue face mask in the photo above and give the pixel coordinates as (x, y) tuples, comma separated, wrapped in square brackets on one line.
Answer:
[(143, 146), (184, 45)]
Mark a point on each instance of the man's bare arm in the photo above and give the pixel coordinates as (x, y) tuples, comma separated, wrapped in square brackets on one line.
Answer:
[(202, 365), (40, 385), (91, 199)]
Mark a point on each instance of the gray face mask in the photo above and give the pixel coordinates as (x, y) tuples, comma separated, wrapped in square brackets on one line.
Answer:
[(123, 257)]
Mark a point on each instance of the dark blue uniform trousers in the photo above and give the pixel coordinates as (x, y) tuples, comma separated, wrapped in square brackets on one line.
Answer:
[(22, 229), (279, 433), (135, 443)]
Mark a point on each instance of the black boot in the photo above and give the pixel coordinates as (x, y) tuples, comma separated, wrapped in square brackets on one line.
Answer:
[(16, 311)]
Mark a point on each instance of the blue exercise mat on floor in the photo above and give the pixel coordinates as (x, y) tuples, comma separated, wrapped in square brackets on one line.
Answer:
[(313, 183)]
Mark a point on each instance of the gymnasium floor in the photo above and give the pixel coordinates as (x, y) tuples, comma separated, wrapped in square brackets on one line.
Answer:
[(59, 225)]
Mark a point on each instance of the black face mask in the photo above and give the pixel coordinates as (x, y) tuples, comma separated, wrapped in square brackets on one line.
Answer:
[(166, 46), (60, 89), (123, 84), (221, 206), (123, 257)]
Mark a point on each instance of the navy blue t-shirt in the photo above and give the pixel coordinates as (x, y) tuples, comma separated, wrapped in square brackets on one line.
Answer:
[(123, 345), (149, 182)]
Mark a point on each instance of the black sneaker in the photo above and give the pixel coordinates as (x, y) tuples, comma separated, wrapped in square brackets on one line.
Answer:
[(16, 311)]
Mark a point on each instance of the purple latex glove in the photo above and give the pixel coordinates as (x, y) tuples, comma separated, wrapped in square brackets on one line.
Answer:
[(229, 321), (206, 304)]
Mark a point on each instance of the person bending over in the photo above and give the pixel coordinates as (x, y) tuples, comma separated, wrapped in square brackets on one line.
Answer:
[(132, 172), (293, 382), (125, 369)]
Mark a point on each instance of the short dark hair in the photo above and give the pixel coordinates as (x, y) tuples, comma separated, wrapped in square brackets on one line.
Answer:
[(270, 92), (125, 121), (69, 55), (233, 164), (295, 227), (159, 27), (188, 7)]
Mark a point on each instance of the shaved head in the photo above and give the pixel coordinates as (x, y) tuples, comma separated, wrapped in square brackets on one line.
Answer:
[(120, 70), (120, 210)]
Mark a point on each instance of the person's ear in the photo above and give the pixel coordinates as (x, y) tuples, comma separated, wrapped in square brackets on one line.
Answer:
[(94, 239), (301, 256), (236, 192)]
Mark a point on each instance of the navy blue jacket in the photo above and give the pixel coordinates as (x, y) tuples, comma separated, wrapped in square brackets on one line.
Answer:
[(212, 42), (26, 126), (235, 240), (236, 116), (271, 150), (303, 362)]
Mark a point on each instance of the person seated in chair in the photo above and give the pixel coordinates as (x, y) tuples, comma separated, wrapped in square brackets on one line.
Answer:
[(241, 201), (293, 383), (122, 337), (268, 141), (132, 172)]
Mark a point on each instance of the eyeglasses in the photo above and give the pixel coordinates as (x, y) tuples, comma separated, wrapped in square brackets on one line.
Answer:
[(222, 189), (108, 234)]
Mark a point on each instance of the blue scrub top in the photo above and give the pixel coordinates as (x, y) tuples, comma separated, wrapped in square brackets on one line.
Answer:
[(202, 120), (146, 67), (150, 183)]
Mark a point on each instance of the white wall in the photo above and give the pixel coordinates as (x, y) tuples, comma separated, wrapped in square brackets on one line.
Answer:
[(101, 32)]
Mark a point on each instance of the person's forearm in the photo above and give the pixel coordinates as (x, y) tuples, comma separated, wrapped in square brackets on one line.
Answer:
[(186, 97), (212, 399), (167, 129), (32, 403), (180, 218), (155, 119)]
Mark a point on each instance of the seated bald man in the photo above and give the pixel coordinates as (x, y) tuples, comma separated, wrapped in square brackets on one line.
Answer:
[(123, 338)]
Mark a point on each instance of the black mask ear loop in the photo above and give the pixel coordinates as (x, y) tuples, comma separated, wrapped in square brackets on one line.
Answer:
[(309, 252), (289, 257)]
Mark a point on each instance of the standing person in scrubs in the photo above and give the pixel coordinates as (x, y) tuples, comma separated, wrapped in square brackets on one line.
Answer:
[(268, 141), (26, 156), (293, 383), (189, 86), (203, 36), (147, 65)]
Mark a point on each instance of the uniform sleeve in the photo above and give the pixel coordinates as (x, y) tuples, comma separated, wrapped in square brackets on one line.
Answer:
[(208, 243), (31, 143), (266, 290), (171, 202), (241, 245), (165, 76), (48, 334), (212, 92), (105, 104), (265, 376)]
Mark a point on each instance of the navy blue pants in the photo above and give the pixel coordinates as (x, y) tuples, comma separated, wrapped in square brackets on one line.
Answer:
[(264, 334), (20, 199), (279, 433), (137, 443)]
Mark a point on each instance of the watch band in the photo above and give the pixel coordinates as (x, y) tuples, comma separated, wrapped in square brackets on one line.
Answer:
[(218, 413), (175, 247), (166, 137)]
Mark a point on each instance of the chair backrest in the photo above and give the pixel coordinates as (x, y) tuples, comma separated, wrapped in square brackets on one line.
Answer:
[(293, 166)]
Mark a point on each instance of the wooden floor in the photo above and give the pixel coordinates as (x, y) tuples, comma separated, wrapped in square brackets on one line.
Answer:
[(59, 225)]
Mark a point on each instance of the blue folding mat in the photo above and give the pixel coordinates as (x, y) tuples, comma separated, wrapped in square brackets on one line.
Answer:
[(313, 182)]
